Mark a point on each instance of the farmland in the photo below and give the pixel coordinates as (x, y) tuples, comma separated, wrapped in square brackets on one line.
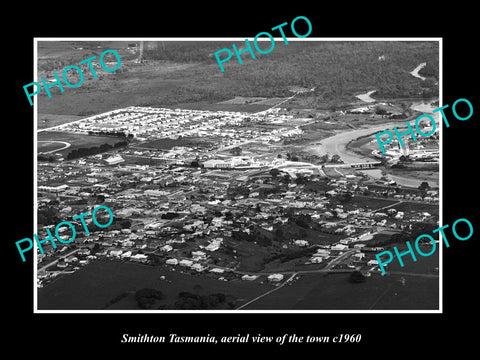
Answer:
[(104, 280), (335, 292)]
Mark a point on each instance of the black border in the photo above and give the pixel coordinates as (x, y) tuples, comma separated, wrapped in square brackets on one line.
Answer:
[(382, 334)]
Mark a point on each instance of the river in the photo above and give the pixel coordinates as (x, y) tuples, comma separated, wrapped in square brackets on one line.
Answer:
[(337, 144)]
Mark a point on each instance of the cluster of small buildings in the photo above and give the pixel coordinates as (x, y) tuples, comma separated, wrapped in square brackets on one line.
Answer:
[(182, 216), (146, 123)]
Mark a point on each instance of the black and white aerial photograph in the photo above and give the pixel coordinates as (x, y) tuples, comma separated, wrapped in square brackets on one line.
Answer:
[(260, 187), (214, 179)]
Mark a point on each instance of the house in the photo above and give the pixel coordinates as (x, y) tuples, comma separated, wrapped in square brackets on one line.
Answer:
[(214, 244), (116, 252), (71, 259), (199, 255), (83, 252), (171, 262), (186, 263), (339, 247), (198, 267), (301, 242), (322, 252), (166, 248), (359, 256), (112, 160), (139, 258), (249, 277), (275, 277), (126, 255), (217, 270), (62, 265), (382, 223)]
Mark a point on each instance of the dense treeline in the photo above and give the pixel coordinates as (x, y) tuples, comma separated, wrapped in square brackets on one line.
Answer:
[(147, 297), (190, 301), (81, 152), (335, 69)]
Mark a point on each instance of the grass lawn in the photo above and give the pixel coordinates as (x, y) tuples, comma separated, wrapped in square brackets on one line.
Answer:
[(433, 209), (335, 292), (76, 140), (97, 283)]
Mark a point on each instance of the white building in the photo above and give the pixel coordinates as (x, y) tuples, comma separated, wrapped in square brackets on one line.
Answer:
[(217, 270), (112, 160), (301, 242), (171, 262), (217, 164), (186, 263), (198, 267), (275, 277), (139, 257), (166, 248), (340, 247)]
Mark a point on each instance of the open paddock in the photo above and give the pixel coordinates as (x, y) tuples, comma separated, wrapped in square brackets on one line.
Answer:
[(52, 139), (94, 285)]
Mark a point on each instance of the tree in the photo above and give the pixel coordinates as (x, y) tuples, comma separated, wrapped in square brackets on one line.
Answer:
[(424, 186), (346, 197), (236, 151), (274, 172), (229, 216), (356, 277), (146, 297), (324, 158), (335, 158), (384, 161)]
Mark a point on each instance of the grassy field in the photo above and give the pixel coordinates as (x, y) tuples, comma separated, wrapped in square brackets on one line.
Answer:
[(76, 140), (97, 283), (372, 203), (50, 120), (335, 292), (409, 206)]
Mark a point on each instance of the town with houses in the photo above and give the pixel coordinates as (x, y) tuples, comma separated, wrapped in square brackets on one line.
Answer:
[(214, 194)]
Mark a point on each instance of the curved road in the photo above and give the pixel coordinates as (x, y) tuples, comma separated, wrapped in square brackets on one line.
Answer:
[(66, 145)]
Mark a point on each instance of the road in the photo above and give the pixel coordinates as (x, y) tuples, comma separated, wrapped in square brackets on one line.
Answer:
[(268, 292), (339, 259), (56, 261), (66, 145)]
